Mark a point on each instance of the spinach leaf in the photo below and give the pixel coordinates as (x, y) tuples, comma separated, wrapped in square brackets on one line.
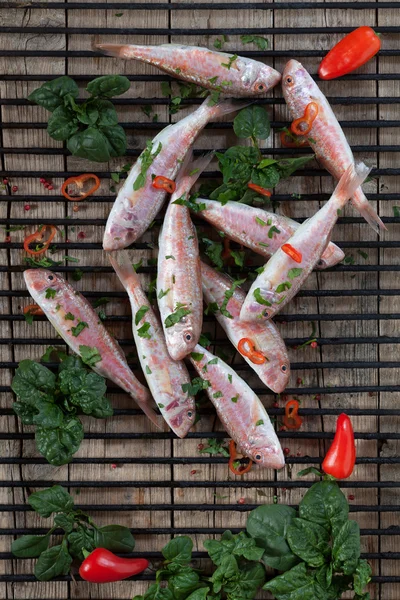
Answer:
[(116, 140), (309, 541), (362, 576), (268, 177), (48, 415), (51, 500), (30, 546), (346, 548), (237, 163), (62, 124), (296, 584), (107, 114), (81, 539), (178, 550), (325, 505), (60, 444), (108, 86), (200, 594), (102, 409), (268, 525), (53, 562), (239, 545), (91, 144), (156, 592), (52, 93), (65, 521), (115, 538), (227, 570), (26, 412), (252, 122), (33, 382), (248, 580), (184, 582)]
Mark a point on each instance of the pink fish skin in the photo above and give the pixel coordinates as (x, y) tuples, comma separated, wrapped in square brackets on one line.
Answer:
[(240, 411), (250, 226), (282, 277), (275, 371), (178, 273), (164, 375), (213, 70), (113, 363), (326, 136), (134, 210)]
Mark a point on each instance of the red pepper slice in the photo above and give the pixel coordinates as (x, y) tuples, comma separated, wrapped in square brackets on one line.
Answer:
[(292, 252), (233, 457), (246, 348), (341, 456), (163, 183), (353, 51), (290, 140), (259, 189), (38, 237), (302, 125), (79, 181), (291, 420), (33, 309), (102, 566)]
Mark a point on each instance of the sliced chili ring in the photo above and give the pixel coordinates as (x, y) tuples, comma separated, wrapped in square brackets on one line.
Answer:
[(234, 457), (33, 309), (79, 181), (257, 358), (292, 252), (245, 347), (163, 183), (38, 237), (259, 189), (303, 125), (291, 420)]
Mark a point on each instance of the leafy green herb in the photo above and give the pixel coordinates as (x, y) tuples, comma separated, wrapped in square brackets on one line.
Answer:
[(148, 370), (272, 230), (396, 211), (227, 296), (260, 222), (77, 274), (80, 534), (197, 355), (138, 265), (252, 122), (90, 356), (143, 331), (49, 402), (260, 299), (215, 446), (239, 257), (146, 160), (213, 250), (235, 398), (349, 260), (191, 203), (259, 422), (230, 378), (218, 43), (283, 286), (204, 341), (260, 42), (170, 257), (140, 314), (363, 254), (218, 394), (230, 62), (101, 301), (295, 272), (69, 316), (163, 293), (51, 293), (178, 314), (196, 385), (79, 328)]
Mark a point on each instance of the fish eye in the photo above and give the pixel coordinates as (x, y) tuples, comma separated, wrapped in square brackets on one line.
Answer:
[(260, 86), (257, 456), (321, 263), (50, 277), (187, 336), (289, 81), (283, 368), (265, 313), (189, 413)]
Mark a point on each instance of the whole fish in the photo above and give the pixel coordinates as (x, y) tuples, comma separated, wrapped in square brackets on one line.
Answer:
[(284, 274), (138, 201), (275, 371), (178, 273), (164, 375), (240, 411), (78, 324), (326, 136), (233, 75), (261, 231)]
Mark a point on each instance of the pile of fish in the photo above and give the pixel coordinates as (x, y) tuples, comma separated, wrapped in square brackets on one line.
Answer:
[(183, 280)]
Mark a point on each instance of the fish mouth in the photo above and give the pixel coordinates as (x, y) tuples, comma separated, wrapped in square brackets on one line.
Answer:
[(39, 279), (274, 460), (182, 422)]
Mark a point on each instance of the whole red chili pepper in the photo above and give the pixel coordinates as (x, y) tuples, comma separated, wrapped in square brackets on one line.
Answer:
[(341, 456), (353, 51), (102, 566)]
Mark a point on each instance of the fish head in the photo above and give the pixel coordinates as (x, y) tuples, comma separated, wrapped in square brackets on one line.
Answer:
[(117, 237), (183, 420), (297, 85), (256, 77), (279, 369), (332, 256), (181, 338), (265, 452), (38, 281), (261, 306)]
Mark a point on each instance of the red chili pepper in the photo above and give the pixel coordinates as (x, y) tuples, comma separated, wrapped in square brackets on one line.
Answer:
[(232, 459), (38, 237), (102, 566), (79, 182), (247, 348), (341, 456), (291, 419), (259, 189), (353, 51), (292, 252), (33, 309), (163, 183), (290, 140), (302, 125)]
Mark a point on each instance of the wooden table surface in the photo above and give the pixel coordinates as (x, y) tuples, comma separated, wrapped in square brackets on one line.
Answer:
[(58, 41)]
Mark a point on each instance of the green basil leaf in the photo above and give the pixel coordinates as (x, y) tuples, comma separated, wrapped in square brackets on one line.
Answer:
[(116, 140), (252, 122), (346, 548), (178, 550), (62, 124), (51, 500), (51, 94), (53, 562), (309, 541), (59, 445), (81, 539), (325, 505), (362, 576), (30, 546), (115, 538), (108, 86), (65, 521), (268, 525), (91, 144), (33, 382)]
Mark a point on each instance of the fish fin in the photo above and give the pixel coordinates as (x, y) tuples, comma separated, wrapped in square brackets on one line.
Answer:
[(366, 210), (225, 106), (148, 411), (351, 179), (124, 269), (191, 169), (117, 50)]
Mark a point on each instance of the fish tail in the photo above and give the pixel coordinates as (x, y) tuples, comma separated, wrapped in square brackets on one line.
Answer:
[(360, 202), (124, 269), (351, 179), (224, 107), (191, 169)]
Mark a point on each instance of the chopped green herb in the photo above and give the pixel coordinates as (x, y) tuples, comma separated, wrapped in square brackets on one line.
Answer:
[(197, 355), (260, 222), (191, 203), (339, 212), (259, 422), (169, 256), (160, 405), (260, 299), (363, 254), (295, 272), (28, 317), (178, 71), (79, 328), (218, 394), (230, 378), (239, 257), (140, 314), (230, 62), (218, 43), (137, 265), (115, 177), (69, 317), (196, 385), (349, 260), (77, 274), (101, 302), (148, 370), (147, 109), (214, 251), (260, 42), (90, 356), (283, 286), (176, 316), (51, 293), (259, 270), (215, 446), (204, 341), (263, 245), (146, 160), (161, 293), (235, 398), (273, 230), (228, 295), (118, 14), (213, 361), (58, 306), (143, 331), (396, 211), (213, 80), (211, 308)]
